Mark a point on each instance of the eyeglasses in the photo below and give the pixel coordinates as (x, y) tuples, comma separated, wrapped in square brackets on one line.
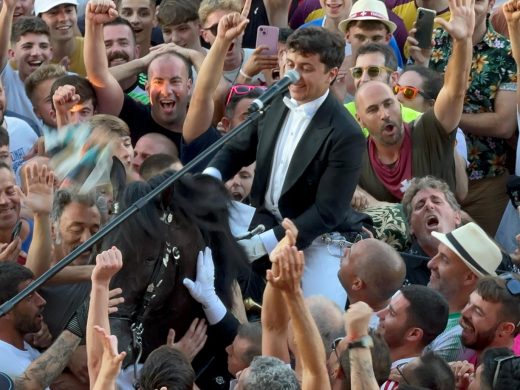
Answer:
[(334, 346), (500, 361), (336, 245), (212, 29), (399, 369), (409, 92), (372, 70), (243, 89), (512, 283)]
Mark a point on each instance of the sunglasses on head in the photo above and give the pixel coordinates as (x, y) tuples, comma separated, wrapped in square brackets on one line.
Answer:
[(243, 89), (409, 92), (334, 346), (512, 283), (500, 361), (372, 70), (212, 29)]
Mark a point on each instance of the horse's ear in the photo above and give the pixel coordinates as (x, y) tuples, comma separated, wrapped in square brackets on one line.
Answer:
[(117, 177)]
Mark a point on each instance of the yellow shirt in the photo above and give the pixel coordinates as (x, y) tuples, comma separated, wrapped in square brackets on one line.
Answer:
[(407, 114), (77, 64)]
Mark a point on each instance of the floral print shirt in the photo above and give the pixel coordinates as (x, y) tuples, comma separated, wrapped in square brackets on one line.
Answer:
[(492, 69)]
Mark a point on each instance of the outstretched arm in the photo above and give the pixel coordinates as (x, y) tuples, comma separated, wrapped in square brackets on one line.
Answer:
[(108, 91), (512, 15), (108, 263), (200, 112), (39, 199), (449, 103), (46, 368), (306, 335), (6, 23)]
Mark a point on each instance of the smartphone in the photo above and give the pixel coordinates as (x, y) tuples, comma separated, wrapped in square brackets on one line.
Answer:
[(268, 36), (16, 231), (424, 26)]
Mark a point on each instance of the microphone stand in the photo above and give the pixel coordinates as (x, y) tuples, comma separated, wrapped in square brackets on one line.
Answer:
[(116, 221)]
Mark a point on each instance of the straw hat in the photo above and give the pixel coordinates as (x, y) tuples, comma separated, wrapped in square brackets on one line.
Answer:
[(368, 10), (474, 247)]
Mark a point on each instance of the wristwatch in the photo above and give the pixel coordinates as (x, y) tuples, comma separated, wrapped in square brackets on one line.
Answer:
[(363, 342)]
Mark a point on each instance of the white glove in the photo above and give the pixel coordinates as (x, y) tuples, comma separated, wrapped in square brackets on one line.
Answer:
[(254, 248), (203, 289)]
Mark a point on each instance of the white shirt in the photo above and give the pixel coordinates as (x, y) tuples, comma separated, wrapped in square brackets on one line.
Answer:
[(14, 361), (21, 139)]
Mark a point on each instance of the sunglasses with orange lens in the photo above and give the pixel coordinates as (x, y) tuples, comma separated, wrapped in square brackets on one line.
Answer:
[(409, 92)]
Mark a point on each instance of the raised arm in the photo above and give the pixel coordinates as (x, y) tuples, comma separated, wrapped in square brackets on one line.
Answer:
[(306, 334), (278, 12), (63, 99), (6, 23), (108, 263), (449, 103), (200, 112), (39, 184), (108, 91)]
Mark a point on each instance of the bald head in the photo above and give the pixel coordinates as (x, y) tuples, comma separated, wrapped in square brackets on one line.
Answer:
[(371, 88), (151, 144), (372, 271)]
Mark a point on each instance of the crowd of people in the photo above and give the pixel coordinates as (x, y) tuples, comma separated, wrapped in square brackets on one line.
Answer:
[(374, 226)]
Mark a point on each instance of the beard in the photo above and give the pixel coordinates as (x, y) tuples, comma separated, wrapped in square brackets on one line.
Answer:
[(478, 340)]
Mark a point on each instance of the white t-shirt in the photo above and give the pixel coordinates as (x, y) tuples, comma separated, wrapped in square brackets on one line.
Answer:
[(21, 139), (14, 361), (17, 100)]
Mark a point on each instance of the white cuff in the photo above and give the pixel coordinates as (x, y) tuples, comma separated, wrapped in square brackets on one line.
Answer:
[(269, 240), (215, 311), (212, 171)]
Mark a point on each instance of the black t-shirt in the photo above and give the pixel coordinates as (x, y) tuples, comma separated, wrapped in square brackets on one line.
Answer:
[(257, 17), (139, 119)]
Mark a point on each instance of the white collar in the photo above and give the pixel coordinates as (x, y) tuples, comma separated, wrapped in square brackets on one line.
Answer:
[(308, 109)]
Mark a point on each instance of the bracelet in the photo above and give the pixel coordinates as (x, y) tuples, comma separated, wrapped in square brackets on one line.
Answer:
[(243, 74)]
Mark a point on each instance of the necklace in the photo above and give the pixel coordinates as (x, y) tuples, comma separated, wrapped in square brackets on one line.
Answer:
[(235, 71)]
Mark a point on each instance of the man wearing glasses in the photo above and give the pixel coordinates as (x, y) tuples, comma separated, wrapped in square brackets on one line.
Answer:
[(389, 163)]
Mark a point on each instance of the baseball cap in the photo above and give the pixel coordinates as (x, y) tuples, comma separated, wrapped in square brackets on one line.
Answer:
[(41, 6)]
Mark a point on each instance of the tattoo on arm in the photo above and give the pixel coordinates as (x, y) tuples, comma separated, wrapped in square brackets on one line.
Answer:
[(44, 370)]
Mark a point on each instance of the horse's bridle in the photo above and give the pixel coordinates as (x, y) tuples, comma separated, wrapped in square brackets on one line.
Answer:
[(138, 317)]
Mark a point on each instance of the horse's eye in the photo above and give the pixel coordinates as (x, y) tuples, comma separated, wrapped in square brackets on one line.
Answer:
[(149, 259)]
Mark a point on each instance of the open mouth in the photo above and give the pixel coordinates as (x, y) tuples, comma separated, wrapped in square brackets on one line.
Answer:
[(432, 222), (389, 128), (167, 105), (118, 61), (34, 64), (236, 195), (63, 28), (466, 326)]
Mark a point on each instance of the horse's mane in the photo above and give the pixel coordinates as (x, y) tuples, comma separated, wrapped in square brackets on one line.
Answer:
[(199, 199)]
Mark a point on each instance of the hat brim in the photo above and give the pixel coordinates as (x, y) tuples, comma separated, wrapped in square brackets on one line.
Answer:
[(51, 4), (342, 26), (442, 238)]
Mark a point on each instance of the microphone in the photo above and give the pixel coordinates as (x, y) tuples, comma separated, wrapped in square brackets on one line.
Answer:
[(274, 90), (257, 230)]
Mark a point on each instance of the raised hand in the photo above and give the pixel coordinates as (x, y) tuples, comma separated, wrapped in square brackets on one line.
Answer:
[(192, 341), (258, 61), (203, 289), (462, 20), (108, 263), (290, 265), (39, 181), (232, 25), (111, 360), (101, 11), (10, 251), (64, 98), (512, 14), (291, 234), (357, 318)]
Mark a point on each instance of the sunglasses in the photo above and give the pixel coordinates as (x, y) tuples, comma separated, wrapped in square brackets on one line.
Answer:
[(334, 345), (500, 361), (372, 70), (212, 29), (399, 369), (409, 92), (243, 89)]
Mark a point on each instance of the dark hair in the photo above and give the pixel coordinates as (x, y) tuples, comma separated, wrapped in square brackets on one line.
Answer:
[(251, 331), (11, 275), (284, 33), (28, 25), (167, 367), (428, 311), (493, 289), (156, 164), (369, 25), (119, 21), (175, 12), (432, 80), (316, 40), (84, 89), (385, 50), (236, 98), (432, 372), (381, 360), (64, 197), (4, 137), (509, 375), (186, 61)]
